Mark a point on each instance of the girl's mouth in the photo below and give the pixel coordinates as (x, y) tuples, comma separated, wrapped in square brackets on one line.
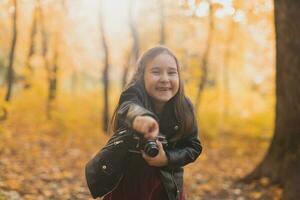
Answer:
[(163, 88)]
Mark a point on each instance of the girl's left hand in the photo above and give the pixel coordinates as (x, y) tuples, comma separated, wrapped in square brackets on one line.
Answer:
[(159, 160)]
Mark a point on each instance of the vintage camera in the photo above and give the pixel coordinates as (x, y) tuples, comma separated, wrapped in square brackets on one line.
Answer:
[(149, 145)]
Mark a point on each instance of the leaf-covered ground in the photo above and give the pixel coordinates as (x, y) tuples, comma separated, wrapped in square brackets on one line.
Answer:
[(51, 166)]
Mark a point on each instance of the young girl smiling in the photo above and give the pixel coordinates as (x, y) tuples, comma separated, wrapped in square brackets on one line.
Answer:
[(154, 102)]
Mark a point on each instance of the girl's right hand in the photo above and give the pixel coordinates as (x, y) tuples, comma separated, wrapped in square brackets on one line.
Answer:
[(146, 125)]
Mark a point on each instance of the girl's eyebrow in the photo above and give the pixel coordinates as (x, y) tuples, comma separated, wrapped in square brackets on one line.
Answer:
[(169, 68), (154, 68)]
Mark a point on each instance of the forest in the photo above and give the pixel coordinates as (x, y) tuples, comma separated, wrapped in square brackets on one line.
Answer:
[(64, 63)]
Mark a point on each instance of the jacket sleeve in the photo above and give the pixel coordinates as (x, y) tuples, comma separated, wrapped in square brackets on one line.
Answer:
[(186, 151), (131, 105)]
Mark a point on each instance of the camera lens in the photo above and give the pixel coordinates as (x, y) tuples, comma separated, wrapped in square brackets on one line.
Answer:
[(151, 148)]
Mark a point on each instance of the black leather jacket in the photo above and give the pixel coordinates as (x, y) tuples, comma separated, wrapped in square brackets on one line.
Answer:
[(134, 101)]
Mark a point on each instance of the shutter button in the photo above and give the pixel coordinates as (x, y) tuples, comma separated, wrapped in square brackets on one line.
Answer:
[(103, 166), (176, 128)]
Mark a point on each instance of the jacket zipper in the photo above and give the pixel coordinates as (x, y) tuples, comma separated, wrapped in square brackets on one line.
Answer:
[(121, 132), (115, 186), (177, 190), (113, 144)]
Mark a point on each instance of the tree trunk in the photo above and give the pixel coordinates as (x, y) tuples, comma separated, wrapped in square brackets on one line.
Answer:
[(282, 161), (31, 52), (204, 61), (127, 63), (224, 77), (10, 70), (134, 33), (44, 38), (53, 77), (45, 56), (162, 21), (132, 56), (227, 57), (105, 80)]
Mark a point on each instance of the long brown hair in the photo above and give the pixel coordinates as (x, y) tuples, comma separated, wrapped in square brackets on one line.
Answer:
[(182, 107)]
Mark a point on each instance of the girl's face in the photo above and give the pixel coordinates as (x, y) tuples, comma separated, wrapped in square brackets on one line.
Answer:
[(161, 78)]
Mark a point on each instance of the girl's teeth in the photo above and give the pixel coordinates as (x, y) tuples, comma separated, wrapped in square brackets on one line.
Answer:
[(162, 89)]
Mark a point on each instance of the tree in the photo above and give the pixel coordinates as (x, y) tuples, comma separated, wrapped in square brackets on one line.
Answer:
[(282, 160), (134, 53), (105, 116), (162, 22), (31, 51), (52, 82), (49, 70), (50, 52), (224, 71), (204, 61), (10, 70)]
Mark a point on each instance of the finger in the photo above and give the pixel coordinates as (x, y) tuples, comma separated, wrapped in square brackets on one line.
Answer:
[(159, 144), (150, 135), (150, 128), (153, 134), (147, 158), (147, 135), (154, 127), (137, 123), (144, 129), (139, 127), (143, 154)]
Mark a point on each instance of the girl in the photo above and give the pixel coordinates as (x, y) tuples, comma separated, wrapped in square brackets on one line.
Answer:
[(153, 102)]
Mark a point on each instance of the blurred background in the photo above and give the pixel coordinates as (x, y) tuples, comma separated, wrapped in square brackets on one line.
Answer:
[(63, 64)]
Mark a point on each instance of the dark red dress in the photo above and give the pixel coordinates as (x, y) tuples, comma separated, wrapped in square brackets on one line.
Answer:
[(140, 181)]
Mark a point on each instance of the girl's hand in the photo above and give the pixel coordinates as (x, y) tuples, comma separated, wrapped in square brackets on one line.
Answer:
[(159, 160), (147, 126)]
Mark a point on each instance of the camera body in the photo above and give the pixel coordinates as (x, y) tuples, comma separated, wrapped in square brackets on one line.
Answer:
[(149, 146)]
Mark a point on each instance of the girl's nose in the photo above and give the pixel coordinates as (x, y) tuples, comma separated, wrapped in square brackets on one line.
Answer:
[(164, 77)]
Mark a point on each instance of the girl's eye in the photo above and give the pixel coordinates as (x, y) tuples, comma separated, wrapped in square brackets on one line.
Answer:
[(155, 72), (172, 73)]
